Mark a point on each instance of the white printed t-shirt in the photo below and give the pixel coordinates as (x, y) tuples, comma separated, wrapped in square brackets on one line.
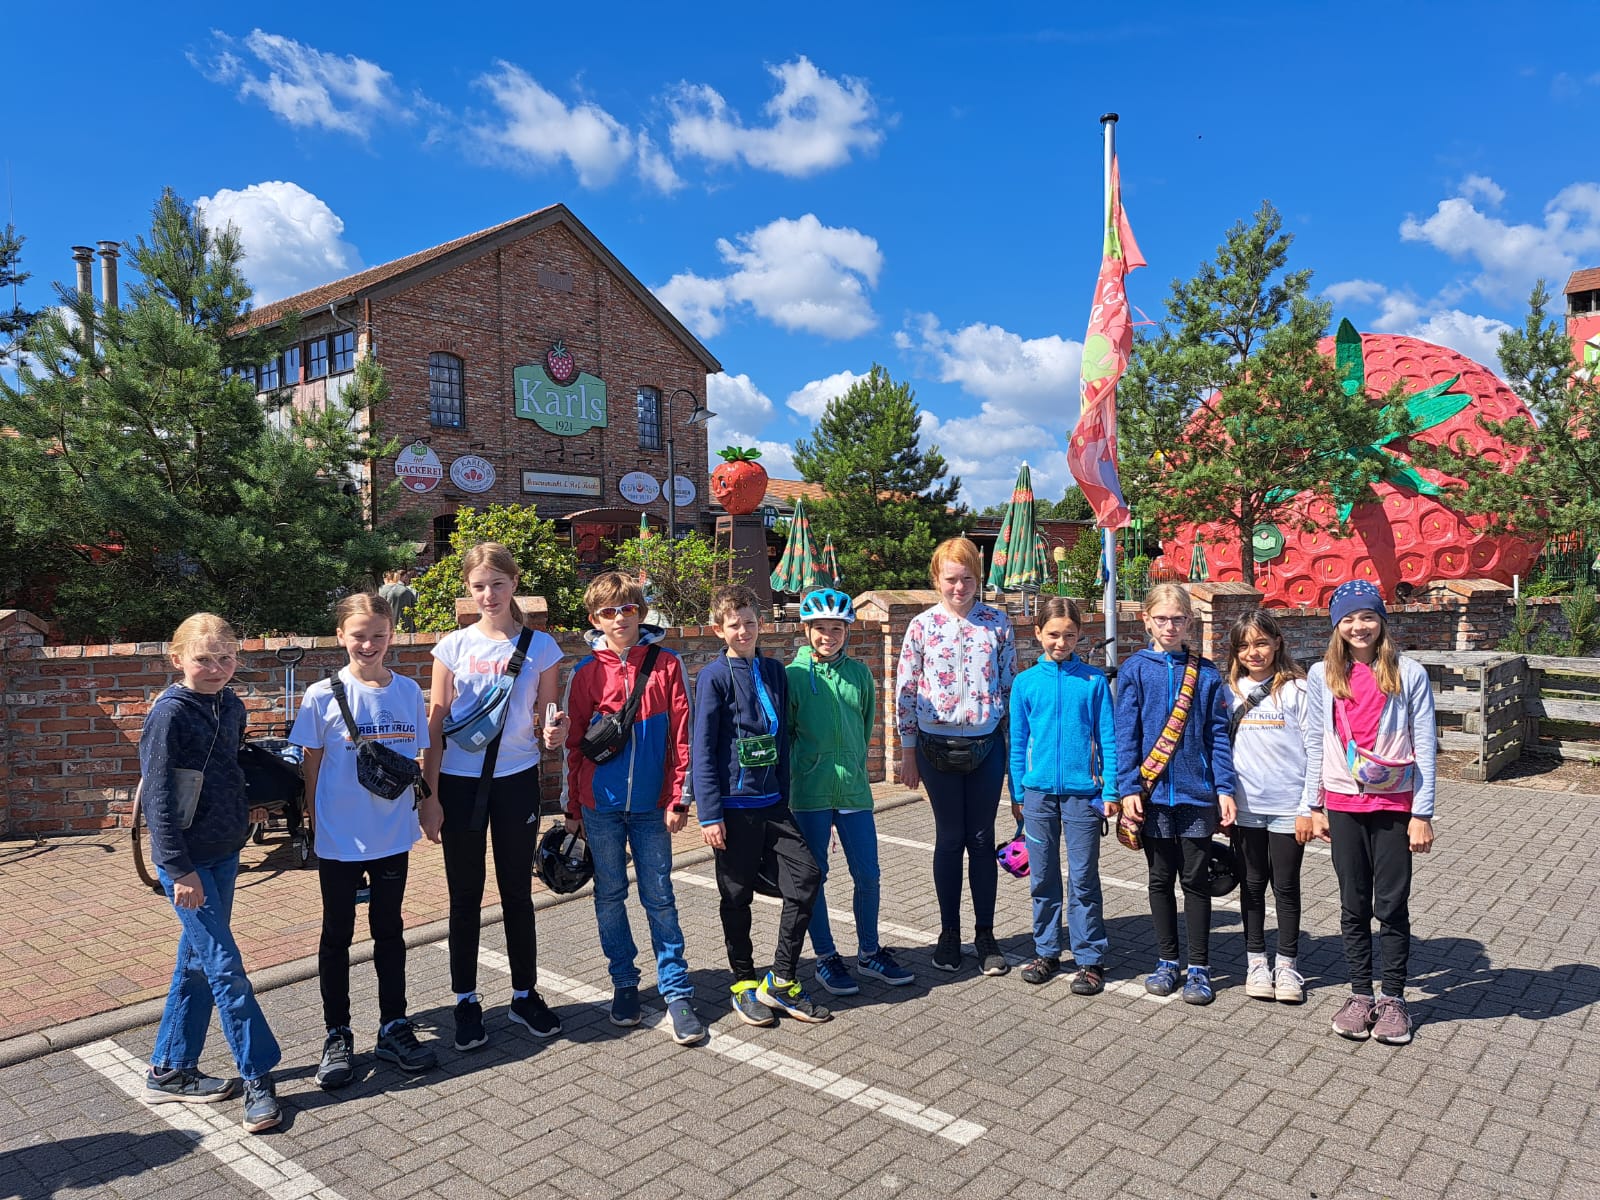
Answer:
[(1269, 750), (353, 824), (476, 660)]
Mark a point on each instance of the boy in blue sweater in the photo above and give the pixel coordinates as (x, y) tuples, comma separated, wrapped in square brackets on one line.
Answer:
[(740, 764), (1064, 766)]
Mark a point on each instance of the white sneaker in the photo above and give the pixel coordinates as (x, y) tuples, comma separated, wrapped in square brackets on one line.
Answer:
[(1288, 985), (1258, 983)]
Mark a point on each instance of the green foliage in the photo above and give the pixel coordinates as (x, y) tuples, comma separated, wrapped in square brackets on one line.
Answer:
[(681, 576), (1227, 411), (1081, 567), (1073, 506), (1557, 487), (888, 501), (14, 319), (1531, 635), (144, 482), (549, 566), (1583, 621)]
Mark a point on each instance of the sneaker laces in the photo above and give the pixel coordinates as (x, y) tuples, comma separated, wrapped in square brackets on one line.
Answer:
[(405, 1035)]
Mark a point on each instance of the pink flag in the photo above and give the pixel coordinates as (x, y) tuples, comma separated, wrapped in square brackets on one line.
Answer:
[(1092, 454)]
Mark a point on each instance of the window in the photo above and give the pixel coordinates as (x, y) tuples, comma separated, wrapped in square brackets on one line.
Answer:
[(649, 418), (291, 366), (443, 526), (267, 379), (446, 402), (344, 351), (317, 358)]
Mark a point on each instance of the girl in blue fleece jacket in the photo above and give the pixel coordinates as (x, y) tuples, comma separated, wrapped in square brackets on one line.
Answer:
[(1064, 766), (1189, 799)]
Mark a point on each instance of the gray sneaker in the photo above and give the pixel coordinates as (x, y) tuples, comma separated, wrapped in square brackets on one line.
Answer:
[(336, 1069), (183, 1086), (1354, 1018), (1391, 1021), (687, 1028), (399, 1045), (261, 1109)]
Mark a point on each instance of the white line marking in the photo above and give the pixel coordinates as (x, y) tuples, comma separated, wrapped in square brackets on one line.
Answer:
[(245, 1154), (906, 842), (841, 1087)]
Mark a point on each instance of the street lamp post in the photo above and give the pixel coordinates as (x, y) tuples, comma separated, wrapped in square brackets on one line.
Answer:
[(699, 416)]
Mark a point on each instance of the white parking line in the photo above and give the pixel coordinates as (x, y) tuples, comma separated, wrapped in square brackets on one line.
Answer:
[(897, 1108), (221, 1136)]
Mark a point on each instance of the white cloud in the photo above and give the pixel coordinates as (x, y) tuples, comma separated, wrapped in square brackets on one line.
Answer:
[(1399, 311), (654, 167), (815, 122), (812, 399), (1476, 336), (538, 129), (798, 274), (1511, 256), (740, 405), (292, 239), (308, 88), (1033, 377), (1483, 187)]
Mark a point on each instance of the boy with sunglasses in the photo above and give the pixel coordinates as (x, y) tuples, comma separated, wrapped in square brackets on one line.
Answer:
[(633, 801)]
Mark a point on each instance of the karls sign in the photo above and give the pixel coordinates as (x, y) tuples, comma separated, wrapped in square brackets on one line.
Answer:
[(557, 396)]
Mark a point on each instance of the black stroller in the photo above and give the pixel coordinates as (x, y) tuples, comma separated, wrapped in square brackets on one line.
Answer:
[(273, 783)]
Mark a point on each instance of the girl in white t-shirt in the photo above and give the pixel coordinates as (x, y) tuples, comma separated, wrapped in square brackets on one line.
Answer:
[(467, 666), (362, 837), (1267, 718)]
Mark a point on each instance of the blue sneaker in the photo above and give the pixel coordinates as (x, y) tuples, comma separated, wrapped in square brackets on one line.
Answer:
[(747, 1008), (1163, 981), (881, 965), (1198, 988), (625, 1006), (834, 976), (791, 998)]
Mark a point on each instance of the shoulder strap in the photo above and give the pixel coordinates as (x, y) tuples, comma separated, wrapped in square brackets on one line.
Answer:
[(1161, 753), (1257, 694), (344, 708), (520, 654), (631, 708), (491, 752)]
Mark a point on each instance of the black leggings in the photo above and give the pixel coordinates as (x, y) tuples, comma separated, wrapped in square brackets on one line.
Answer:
[(1372, 859), (964, 808), (1186, 860), (1275, 858), (387, 880), (514, 832), (757, 838)]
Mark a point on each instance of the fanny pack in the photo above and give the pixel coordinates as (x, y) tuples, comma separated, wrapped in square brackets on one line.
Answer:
[(956, 755), (1370, 772), (383, 772), (474, 729), (608, 734), (758, 751)]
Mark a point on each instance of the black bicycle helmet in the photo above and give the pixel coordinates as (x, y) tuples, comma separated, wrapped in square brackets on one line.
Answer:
[(563, 862)]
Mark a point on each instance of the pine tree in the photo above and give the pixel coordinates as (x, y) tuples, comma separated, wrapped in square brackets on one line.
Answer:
[(1227, 412), (14, 319), (887, 500)]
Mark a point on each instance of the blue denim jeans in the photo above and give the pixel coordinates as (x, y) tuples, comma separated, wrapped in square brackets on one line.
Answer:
[(858, 838), (210, 973), (1044, 819), (611, 835)]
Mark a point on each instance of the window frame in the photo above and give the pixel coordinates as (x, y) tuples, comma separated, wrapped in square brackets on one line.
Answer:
[(439, 403), (653, 394), (342, 351), (314, 359)]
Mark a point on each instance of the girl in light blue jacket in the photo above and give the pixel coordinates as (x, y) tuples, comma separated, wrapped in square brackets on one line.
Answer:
[(1064, 767)]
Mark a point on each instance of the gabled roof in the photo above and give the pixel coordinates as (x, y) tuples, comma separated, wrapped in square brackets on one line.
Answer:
[(1584, 281), (390, 276)]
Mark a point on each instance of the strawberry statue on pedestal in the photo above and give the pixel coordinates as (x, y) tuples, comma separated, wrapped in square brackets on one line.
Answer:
[(739, 484)]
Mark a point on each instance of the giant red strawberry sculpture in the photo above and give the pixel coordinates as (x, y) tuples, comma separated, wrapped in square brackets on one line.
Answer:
[(739, 484), (1407, 532)]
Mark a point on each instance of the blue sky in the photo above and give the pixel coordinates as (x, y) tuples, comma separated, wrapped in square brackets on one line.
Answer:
[(824, 187)]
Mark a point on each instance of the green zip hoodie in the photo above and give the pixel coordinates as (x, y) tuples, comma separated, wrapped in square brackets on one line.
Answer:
[(831, 707)]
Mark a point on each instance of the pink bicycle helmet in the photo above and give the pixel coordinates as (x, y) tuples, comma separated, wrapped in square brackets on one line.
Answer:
[(1013, 856)]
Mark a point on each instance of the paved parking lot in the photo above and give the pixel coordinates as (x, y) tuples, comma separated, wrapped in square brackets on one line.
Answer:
[(958, 1085)]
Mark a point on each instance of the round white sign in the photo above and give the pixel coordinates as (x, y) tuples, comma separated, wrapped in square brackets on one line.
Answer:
[(472, 473), (639, 487), (418, 468), (683, 491)]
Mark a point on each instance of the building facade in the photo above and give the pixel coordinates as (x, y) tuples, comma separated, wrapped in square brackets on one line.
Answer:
[(527, 365), (1583, 316)]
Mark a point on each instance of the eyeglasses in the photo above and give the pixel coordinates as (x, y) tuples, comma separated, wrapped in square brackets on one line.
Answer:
[(616, 610), (1178, 620)]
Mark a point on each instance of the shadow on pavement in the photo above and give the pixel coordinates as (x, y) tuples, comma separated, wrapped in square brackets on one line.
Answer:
[(1461, 984), (87, 1164)]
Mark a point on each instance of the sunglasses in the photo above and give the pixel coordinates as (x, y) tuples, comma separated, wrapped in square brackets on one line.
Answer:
[(616, 610)]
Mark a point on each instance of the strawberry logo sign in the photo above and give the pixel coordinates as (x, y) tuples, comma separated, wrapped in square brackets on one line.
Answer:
[(1406, 531), (559, 362), (472, 473), (418, 468)]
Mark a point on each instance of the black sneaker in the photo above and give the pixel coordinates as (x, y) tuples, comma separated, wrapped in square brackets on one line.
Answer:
[(792, 999), (534, 1015), (1042, 969), (947, 954), (990, 960), (261, 1109), (182, 1086), (687, 1027), (469, 1025), (399, 1045), (336, 1070), (1089, 981)]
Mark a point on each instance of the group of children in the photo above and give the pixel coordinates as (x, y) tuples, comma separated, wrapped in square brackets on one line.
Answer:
[(774, 759)]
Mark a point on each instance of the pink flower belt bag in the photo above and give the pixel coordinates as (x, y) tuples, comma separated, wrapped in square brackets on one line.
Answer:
[(1372, 773)]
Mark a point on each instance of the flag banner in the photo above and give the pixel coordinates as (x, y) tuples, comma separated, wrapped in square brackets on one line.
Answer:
[(1092, 453)]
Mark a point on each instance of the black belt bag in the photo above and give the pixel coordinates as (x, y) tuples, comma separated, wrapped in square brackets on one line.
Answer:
[(956, 755)]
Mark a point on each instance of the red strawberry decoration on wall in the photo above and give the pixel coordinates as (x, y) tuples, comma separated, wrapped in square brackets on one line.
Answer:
[(560, 364), (1406, 532), (739, 484)]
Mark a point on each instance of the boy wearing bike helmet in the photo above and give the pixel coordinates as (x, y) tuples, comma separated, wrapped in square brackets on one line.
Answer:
[(830, 714)]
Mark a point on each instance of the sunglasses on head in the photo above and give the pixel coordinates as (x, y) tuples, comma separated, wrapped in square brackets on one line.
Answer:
[(616, 610)]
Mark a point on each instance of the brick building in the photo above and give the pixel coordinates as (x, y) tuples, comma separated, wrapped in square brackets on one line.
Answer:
[(526, 365), (1583, 315)]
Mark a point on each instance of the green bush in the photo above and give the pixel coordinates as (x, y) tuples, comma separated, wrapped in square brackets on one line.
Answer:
[(549, 566), (681, 577)]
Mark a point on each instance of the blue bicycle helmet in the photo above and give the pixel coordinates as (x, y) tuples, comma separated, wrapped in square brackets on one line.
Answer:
[(827, 604)]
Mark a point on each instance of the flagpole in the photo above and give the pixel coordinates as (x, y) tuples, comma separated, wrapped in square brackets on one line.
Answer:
[(1108, 536)]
